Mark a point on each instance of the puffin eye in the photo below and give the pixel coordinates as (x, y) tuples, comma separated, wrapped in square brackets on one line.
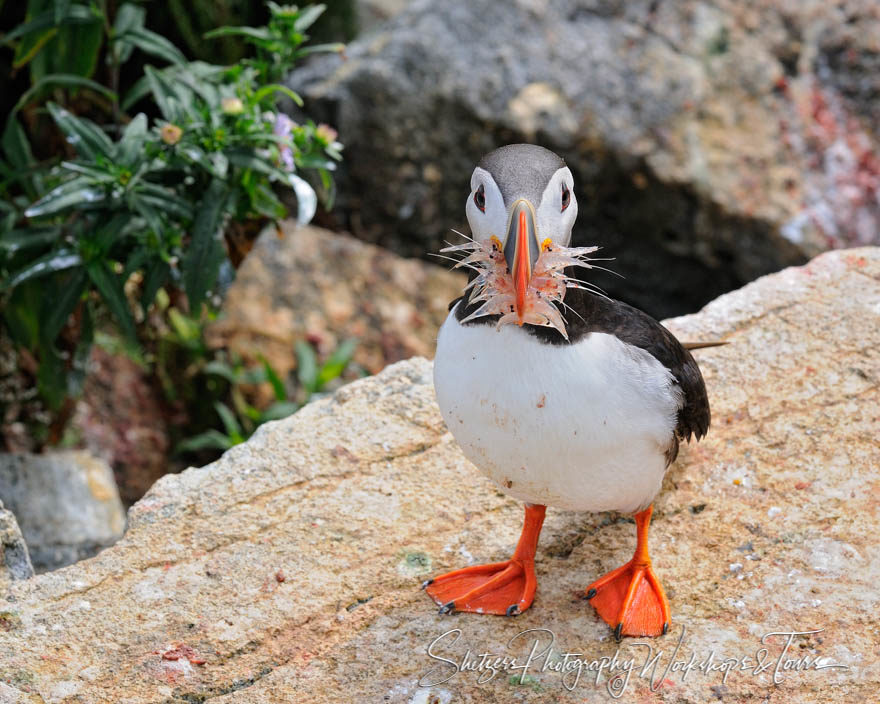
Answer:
[(480, 198), (566, 196)]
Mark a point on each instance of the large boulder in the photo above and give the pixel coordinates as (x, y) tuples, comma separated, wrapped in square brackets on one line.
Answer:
[(288, 571), (66, 503), (712, 142), (312, 284)]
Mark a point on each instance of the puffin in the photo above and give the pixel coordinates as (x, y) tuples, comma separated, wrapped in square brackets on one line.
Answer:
[(559, 394)]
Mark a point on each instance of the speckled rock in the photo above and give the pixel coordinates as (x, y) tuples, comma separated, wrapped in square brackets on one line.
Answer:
[(288, 571), (66, 503), (712, 141), (314, 284), (15, 562)]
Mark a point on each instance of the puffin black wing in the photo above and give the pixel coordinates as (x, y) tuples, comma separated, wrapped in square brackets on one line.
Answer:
[(636, 328)]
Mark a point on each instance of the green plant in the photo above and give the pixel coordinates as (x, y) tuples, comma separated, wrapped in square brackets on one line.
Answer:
[(240, 418), (137, 205)]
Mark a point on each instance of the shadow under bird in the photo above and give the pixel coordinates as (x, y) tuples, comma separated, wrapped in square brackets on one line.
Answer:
[(560, 395)]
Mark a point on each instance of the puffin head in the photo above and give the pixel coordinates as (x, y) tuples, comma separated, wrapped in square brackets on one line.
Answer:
[(521, 210)]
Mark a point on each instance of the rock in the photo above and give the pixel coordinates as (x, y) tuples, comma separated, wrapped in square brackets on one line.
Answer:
[(289, 569), (712, 142), (314, 284), (372, 13), (15, 563), (66, 503), (121, 419)]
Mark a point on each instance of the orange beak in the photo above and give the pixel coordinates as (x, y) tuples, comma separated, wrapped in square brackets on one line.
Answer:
[(521, 250)]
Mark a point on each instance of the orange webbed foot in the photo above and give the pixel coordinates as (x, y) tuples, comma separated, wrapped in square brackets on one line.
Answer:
[(630, 599), (505, 588)]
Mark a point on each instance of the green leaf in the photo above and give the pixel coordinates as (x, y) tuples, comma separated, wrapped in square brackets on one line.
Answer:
[(154, 277), (47, 19), (67, 80), (205, 252), (265, 202), (277, 88), (163, 93), (151, 43), (219, 164), (131, 144), (279, 410), (60, 9), (77, 376), (337, 363), (209, 440), (110, 286), (259, 33), (306, 198), (308, 16), (21, 313), (128, 17), (333, 48), (58, 260), (57, 308), (27, 238), (247, 159), (273, 378), (77, 192), (76, 48), (50, 377), (165, 199), (307, 366), (15, 144), (93, 173), (230, 423), (187, 329), (86, 137), (221, 369)]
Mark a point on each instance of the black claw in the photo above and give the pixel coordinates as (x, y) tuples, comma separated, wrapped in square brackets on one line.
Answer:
[(591, 594), (666, 628), (427, 583), (448, 607), (618, 632), (513, 610)]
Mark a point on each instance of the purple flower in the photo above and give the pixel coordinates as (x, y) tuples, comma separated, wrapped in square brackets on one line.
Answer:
[(282, 128)]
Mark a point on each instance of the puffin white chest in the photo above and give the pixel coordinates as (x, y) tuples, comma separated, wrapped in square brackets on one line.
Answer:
[(580, 426)]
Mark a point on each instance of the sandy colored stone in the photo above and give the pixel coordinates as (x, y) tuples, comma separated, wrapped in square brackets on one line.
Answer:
[(288, 571), (314, 284)]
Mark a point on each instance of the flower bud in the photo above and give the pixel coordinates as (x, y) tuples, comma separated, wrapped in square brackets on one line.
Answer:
[(171, 134), (232, 106)]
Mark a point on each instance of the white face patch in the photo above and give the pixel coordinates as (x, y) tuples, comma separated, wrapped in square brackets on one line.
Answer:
[(494, 220), (553, 222)]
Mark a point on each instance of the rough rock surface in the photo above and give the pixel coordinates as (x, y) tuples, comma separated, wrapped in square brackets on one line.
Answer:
[(712, 141), (66, 503), (325, 287), (15, 563), (288, 571)]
